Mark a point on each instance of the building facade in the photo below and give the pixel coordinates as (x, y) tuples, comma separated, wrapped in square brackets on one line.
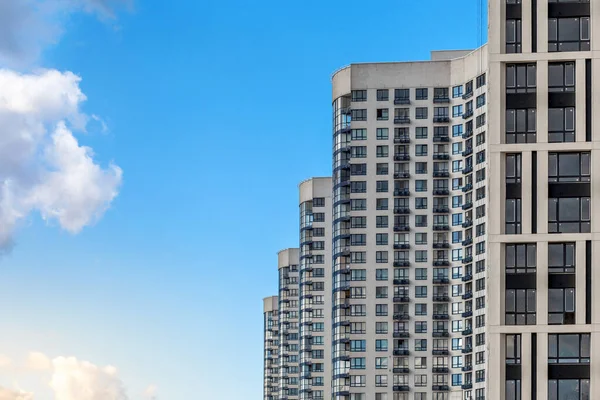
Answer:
[(409, 176), (461, 200), (315, 288), (271, 348), (289, 337)]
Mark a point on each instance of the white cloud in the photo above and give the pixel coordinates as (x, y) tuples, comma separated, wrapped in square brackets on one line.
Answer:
[(80, 380), (37, 361), (28, 26), (8, 394), (42, 166), (5, 361), (150, 392)]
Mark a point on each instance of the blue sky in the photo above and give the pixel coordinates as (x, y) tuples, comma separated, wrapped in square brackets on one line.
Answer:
[(215, 112)]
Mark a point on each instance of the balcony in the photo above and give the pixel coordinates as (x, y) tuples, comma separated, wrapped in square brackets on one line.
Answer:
[(401, 316), (441, 333), (467, 386), (401, 246), (441, 227), (441, 298), (440, 352), (467, 134), (441, 174), (441, 156), (468, 151), (467, 170), (440, 388), (401, 334), (402, 175), (467, 95), (441, 192), (401, 228), (440, 370), (467, 350), (467, 314), (402, 192), (441, 245), (441, 263), (467, 278), (441, 119), (467, 332), (442, 281), (401, 210), (441, 210), (401, 281), (401, 299), (401, 388), (401, 352), (401, 157), (401, 100), (441, 100), (441, 316), (402, 120), (467, 242), (468, 259), (467, 114), (402, 139), (467, 187), (467, 223), (468, 295), (401, 263), (467, 368), (401, 370)]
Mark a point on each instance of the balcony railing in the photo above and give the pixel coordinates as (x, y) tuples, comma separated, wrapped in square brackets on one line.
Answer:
[(441, 156), (402, 192), (441, 298), (402, 175), (401, 157), (401, 299), (401, 228), (401, 210), (401, 316), (441, 174), (401, 100), (441, 119), (402, 120), (467, 114), (467, 187), (441, 100), (441, 191), (441, 245)]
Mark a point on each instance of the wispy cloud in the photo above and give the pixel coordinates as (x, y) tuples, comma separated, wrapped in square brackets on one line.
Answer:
[(27, 27)]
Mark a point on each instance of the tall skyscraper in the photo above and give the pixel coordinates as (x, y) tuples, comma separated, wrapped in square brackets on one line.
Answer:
[(461, 236), (271, 347)]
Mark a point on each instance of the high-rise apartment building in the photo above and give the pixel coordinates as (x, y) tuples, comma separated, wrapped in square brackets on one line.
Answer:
[(271, 348), (289, 343), (315, 288), (462, 240)]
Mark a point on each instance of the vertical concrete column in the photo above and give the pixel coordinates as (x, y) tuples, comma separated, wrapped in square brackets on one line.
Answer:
[(496, 367), (594, 364), (526, 198), (580, 303), (542, 26), (595, 33), (526, 366), (542, 366), (526, 22)]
